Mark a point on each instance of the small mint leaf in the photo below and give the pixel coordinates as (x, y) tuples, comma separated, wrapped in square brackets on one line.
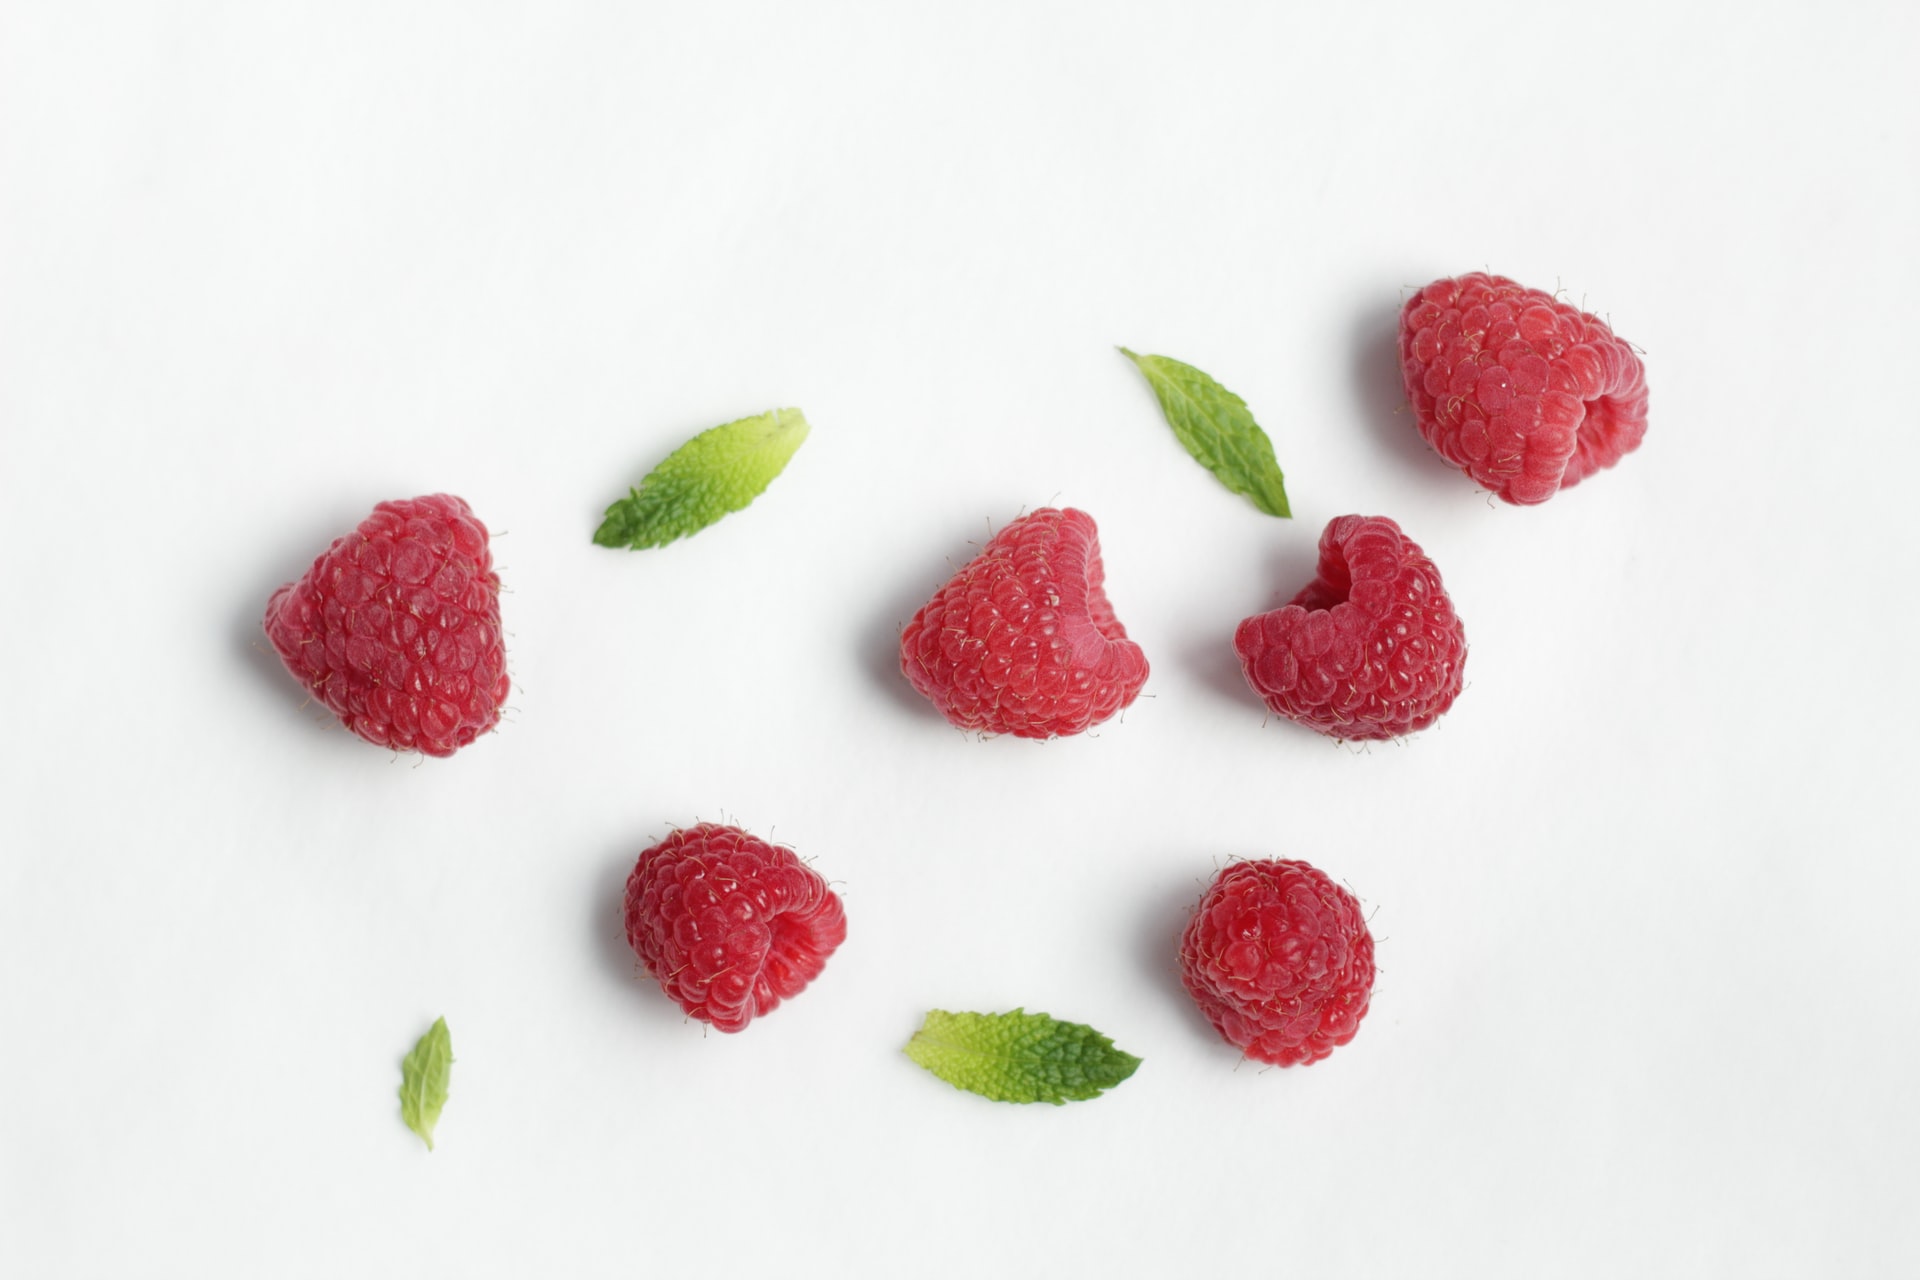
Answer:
[(1019, 1056), (1217, 429), (423, 1080), (717, 472)]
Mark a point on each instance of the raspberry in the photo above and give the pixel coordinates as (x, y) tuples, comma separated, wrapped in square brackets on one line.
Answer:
[(396, 628), (729, 924), (1371, 648), (1023, 640), (1279, 959), (1522, 392)]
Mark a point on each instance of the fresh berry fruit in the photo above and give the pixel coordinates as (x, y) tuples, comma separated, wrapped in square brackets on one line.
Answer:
[(396, 628), (1371, 648), (729, 924), (1522, 392), (1279, 959), (1022, 640)]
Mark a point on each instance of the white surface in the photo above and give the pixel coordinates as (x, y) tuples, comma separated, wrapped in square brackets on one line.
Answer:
[(1644, 901)]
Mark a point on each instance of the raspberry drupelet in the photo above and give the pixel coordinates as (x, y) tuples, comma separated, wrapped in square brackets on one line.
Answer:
[(1370, 649), (1522, 392), (1280, 960), (1023, 640), (728, 924), (396, 627)]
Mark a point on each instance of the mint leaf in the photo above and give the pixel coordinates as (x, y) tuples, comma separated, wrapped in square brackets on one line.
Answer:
[(1217, 429), (423, 1080), (1019, 1056), (716, 472)]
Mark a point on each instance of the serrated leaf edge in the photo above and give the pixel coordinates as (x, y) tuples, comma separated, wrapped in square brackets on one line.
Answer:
[(1276, 505), (1104, 1043), (778, 421)]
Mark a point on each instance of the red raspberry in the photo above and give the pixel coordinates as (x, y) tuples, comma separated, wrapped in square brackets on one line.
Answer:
[(729, 924), (396, 627), (1279, 959), (1371, 648), (1022, 640), (1522, 392)]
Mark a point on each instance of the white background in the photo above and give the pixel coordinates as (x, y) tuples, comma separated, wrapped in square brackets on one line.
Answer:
[(1644, 900)]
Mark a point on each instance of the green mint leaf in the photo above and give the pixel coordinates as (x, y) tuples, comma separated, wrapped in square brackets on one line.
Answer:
[(716, 472), (1217, 429), (1019, 1056), (423, 1080)]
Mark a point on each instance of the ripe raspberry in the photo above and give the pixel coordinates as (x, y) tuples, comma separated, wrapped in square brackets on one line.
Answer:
[(729, 924), (396, 627), (1279, 959), (1023, 640), (1522, 392), (1371, 648)]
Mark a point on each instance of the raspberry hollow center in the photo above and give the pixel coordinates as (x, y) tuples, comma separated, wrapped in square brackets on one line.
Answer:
[(1087, 618)]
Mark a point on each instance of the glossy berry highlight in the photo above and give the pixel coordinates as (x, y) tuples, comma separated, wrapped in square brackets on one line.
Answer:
[(728, 924), (1023, 639), (1522, 392), (396, 627), (1279, 959)]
